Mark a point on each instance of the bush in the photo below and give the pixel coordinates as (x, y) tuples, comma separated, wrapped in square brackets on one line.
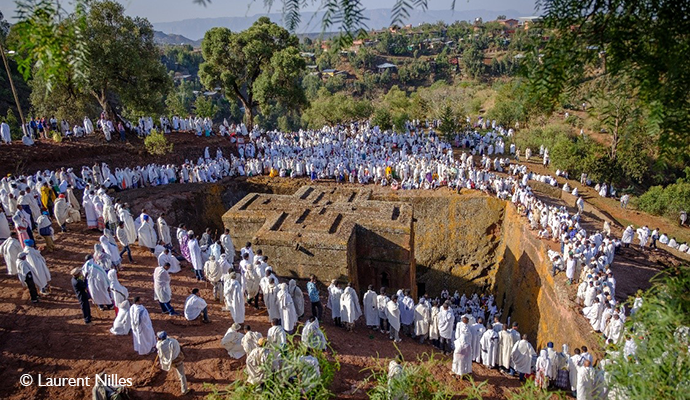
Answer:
[(416, 382), (157, 144), (659, 369), (289, 382), (668, 201)]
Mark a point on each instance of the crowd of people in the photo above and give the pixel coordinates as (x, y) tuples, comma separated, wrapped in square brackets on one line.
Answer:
[(467, 327)]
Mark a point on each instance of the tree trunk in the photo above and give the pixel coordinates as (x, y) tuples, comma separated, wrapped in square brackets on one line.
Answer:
[(248, 116)]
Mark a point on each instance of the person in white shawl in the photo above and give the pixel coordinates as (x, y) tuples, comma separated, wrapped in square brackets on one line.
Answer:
[(334, 293), (118, 292), (522, 356), (542, 370), (271, 299), (110, 247), (170, 355), (122, 324), (477, 330), (195, 256), (276, 334), (214, 275), (462, 355), (143, 335), (251, 279), (250, 339), (297, 297), (422, 319), (98, 282), (232, 341), (234, 299), (39, 269), (195, 307), (371, 312), (350, 309), (228, 246), (627, 237), (312, 335), (489, 346), (167, 258), (164, 230), (10, 249), (257, 361), (61, 210), (393, 315), (287, 309), (161, 288), (147, 234), (26, 277)]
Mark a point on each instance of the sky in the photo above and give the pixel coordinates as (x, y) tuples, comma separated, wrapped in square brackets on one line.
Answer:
[(175, 10)]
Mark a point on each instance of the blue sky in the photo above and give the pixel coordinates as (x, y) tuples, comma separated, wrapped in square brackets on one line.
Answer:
[(175, 10)]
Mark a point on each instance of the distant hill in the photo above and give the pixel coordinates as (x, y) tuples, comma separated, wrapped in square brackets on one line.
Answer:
[(166, 38), (311, 22)]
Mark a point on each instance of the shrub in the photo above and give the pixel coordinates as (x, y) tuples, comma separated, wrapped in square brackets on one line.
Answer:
[(416, 382), (157, 144), (290, 382), (668, 201)]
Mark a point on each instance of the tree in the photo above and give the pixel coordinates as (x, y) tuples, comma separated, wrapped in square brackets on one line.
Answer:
[(645, 40), (473, 61), (123, 73), (258, 66), (205, 108), (449, 122)]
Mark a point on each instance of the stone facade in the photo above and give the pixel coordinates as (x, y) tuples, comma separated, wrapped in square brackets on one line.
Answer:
[(335, 233)]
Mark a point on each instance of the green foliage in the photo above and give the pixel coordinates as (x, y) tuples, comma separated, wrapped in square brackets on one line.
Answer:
[(382, 119), (416, 382), (449, 122), (290, 381), (530, 391), (182, 59), (668, 201), (179, 101), (330, 109), (660, 367), (644, 41), (123, 72), (475, 391), (205, 107), (260, 66), (473, 61), (15, 126), (157, 144)]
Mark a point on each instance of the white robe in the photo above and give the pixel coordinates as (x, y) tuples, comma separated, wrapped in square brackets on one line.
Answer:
[(147, 235), (98, 282), (276, 335), (371, 313), (39, 269), (422, 318), (489, 345), (445, 323), (234, 300), (118, 292), (522, 356), (462, 356), (142, 331), (193, 307), (164, 231), (170, 259), (195, 254), (334, 294), (288, 315), (477, 330), (350, 310), (10, 249), (393, 314), (161, 285), (122, 324), (312, 335), (232, 342)]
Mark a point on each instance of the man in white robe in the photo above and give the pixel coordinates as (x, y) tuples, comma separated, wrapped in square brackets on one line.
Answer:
[(505, 346), (312, 334), (462, 356), (334, 294), (195, 256), (489, 346), (98, 282), (276, 334), (288, 316), (257, 361), (250, 339), (228, 247), (297, 297), (350, 309), (169, 353), (147, 234), (232, 341), (393, 316), (164, 231), (422, 319), (195, 307), (234, 299), (122, 324), (167, 258), (26, 276), (142, 331), (10, 249), (214, 274), (586, 377), (406, 304), (270, 291), (371, 313), (161, 288), (477, 330), (522, 356), (446, 320)]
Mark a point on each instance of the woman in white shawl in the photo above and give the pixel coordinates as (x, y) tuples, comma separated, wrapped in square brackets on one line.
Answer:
[(350, 310), (232, 341), (297, 297), (122, 324), (288, 316), (97, 279), (109, 246), (234, 298), (312, 335), (195, 256), (543, 368), (39, 269), (164, 230), (119, 292), (101, 258)]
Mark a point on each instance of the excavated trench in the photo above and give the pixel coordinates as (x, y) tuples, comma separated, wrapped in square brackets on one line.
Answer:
[(468, 242)]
